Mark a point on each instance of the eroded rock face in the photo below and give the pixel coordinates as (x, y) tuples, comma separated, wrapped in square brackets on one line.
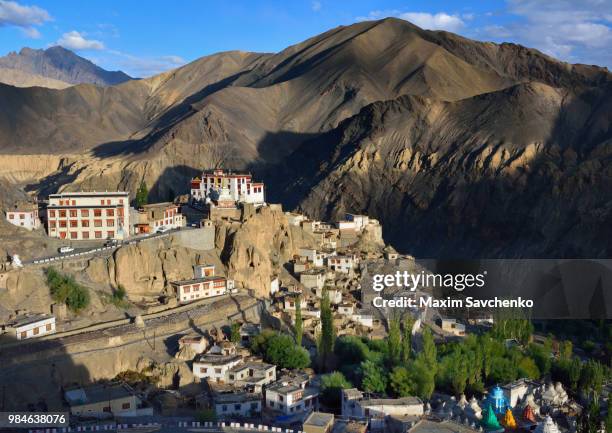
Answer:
[(256, 249)]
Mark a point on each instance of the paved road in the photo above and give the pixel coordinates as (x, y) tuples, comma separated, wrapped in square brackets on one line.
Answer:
[(80, 252)]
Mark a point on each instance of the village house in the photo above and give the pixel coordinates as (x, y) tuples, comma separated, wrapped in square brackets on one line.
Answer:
[(290, 301), (26, 326), (291, 394), (226, 189), (274, 284), (313, 278), (252, 375), (196, 343), (89, 215), (317, 258), (237, 404), (364, 318), (335, 295), (318, 422), (203, 271), (355, 405), (215, 365), (342, 263), (157, 216), (346, 308), (359, 221), (295, 219), (105, 401), (24, 215), (452, 326), (301, 264), (201, 288)]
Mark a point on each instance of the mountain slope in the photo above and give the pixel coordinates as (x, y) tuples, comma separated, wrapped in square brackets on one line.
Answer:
[(416, 128), (60, 64), (18, 78)]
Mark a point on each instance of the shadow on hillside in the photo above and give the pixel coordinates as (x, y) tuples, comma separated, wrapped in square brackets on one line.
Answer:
[(35, 374), (173, 181), (164, 123)]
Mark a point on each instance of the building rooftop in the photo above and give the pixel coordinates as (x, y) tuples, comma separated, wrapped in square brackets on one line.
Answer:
[(404, 401), (319, 419), (197, 280), (88, 193), (236, 397), (97, 393), (214, 359), (26, 319)]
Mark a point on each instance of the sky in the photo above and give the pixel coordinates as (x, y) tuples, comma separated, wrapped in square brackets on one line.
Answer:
[(146, 38)]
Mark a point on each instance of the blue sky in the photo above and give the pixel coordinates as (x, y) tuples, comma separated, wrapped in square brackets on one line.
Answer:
[(144, 38)]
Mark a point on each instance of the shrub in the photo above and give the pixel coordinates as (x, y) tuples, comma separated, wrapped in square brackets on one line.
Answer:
[(66, 290)]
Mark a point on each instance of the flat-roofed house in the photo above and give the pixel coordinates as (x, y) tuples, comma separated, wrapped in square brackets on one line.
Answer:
[(214, 366), (31, 325), (105, 401), (355, 405), (154, 216), (89, 215), (313, 278), (24, 215), (252, 375), (200, 288), (290, 395), (318, 422), (237, 404)]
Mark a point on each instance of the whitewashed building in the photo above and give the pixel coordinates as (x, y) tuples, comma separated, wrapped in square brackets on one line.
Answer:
[(226, 189), (89, 215), (153, 217), (31, 325), (201, 288), (214, 367), (24, 216), (355, 405), (292, 395), (237, 404), (342, 263), (313, 278)]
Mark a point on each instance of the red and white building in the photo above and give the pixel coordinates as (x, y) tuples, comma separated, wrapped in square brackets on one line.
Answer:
[(24, 215), (152, 217), (88, 215), (226, 189), (201, 288)]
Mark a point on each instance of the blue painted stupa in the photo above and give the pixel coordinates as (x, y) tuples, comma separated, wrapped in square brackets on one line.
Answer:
[(498, 401)]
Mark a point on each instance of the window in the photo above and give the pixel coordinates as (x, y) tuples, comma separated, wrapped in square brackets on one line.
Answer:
[(21, 216), (125, 406), (52, 213), (203, 370), (98, 235), (74, 223), (10, 216), (97, 212), (110, 234), (73, 213), (62, 223), (271, 403), (85, 235), (217, 370), (102, 202), (24, 334), (187, 289), (74, 235), (62, 214), (52, 224), (84, 212), (73, 202), (110, 223), (48, 327), (97, 223), (85, 223), (224, 408), (35, 331), (106, 409), (237, 406), (110, 212), (281, 398)]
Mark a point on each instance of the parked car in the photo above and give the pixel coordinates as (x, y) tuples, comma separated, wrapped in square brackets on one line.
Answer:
[(65, 249), (162, 229), (111, 243)]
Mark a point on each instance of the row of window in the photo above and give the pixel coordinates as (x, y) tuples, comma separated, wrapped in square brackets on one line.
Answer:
[(83, 223), (37, 330), (73, 213), (103, 202), (85, 235), (238, 406)]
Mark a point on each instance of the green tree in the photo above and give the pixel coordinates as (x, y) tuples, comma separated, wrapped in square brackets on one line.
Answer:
[(407, 339), (423, 378), (235, 333), (260, 342), (326, 340), (284, 353), (527, 367), (299, 326), (429, 354), (372, 377), (394, 342), (401, 382), (65, 289), (332, 385), (609, 416), (142, 194)]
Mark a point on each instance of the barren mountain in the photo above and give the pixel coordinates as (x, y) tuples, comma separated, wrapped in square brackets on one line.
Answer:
[(17, 78), (60, 64), (415, 127)]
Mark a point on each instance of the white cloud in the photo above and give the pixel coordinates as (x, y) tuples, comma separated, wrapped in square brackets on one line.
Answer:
[(76, 41), (574, 31), (425, 20), (316, 6), (139, 66), (24, 17), (439, 21)]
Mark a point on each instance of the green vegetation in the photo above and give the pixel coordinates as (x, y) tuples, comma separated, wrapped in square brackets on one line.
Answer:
[(142, 194), (299, 326), (327, 337), (280, 350), (331, 386), (206, 415), (66, 290), (235, 333), (467, 366)]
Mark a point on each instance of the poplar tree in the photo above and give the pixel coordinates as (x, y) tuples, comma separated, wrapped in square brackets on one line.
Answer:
[(326, 342), (298, 329)]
